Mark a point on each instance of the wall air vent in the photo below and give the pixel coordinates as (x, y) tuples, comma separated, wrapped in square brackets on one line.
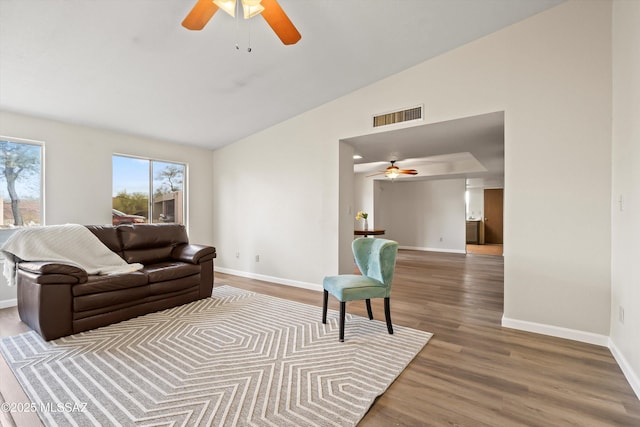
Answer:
[(414, 113)]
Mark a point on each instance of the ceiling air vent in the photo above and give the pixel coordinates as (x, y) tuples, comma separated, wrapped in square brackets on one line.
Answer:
[(398, 117)]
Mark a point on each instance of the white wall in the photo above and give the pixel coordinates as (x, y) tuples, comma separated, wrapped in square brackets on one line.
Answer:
[(276, 196), (78, 173), (625, 275), (423, 215), (551, 74), (558, 170), (345, 203), (363, 190), (475, 207)]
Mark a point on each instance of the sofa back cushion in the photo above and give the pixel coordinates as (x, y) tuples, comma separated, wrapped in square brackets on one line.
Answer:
[(108, 235), (150, 243)]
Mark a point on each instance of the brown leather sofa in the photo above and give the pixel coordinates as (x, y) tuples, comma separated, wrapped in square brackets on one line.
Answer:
[(58, 299)]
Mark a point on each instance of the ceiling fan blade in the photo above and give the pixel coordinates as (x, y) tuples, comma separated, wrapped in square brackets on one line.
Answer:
[(200, 15), (280, 22), (408, 171), (375, 174)]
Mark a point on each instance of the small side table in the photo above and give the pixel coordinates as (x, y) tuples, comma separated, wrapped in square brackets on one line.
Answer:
[(367, 233)]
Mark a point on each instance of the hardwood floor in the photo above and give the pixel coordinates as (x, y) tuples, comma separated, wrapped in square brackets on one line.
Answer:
[(486, 249), (473, 372)]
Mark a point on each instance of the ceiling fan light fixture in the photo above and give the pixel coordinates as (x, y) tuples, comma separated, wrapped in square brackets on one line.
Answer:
[(228, 6), (392, 173), (251, 10)]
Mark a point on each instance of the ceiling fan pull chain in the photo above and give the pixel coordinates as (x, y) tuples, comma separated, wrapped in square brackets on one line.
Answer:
[(237, 18), (249, 47)]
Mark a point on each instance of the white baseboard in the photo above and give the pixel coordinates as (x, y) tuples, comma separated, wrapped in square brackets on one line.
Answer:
[(278, 280), (8, 303), (627, 370), (556, 331), (417, 248)]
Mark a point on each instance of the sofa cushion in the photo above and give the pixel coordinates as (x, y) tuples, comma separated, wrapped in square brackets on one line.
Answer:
[(107, 235), (169, 270), (146, 256), (177, 285), (111, 282), (108, 299), (148, 243), (91, 319)]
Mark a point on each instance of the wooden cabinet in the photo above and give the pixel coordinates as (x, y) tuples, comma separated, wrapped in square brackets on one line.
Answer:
[(473, 232)]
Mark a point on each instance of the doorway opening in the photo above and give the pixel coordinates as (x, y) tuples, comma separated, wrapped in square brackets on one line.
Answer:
[(427, 210), (484, 220)]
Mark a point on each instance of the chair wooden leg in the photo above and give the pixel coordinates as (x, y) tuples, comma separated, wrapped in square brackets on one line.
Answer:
[(387, 315), (343, 309), (324, 306), (369, 312)]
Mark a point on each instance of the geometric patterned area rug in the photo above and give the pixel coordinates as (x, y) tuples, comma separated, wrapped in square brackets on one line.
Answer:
[(238, 358)]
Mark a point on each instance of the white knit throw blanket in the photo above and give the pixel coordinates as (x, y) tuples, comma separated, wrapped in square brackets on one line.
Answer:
[(70, 244)]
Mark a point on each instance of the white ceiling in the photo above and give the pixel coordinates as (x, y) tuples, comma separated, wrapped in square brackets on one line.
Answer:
[(129, 66)]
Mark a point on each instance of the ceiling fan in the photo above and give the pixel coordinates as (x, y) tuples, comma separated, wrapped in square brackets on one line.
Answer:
[(270, 10), (394, 171)]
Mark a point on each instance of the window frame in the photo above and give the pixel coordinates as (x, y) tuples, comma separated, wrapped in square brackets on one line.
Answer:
[(43, 192), (151, 160), (11, 229)]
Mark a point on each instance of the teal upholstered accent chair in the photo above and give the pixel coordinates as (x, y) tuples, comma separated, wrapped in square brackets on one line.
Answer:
[(376, 259)]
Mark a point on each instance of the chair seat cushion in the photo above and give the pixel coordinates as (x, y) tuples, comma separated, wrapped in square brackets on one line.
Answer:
[(350, 287)]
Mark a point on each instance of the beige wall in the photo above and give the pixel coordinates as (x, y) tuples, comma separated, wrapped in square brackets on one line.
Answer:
[(625, 277)]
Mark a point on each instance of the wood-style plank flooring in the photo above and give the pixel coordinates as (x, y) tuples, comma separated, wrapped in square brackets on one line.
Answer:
[(473, 372), (485, 249)]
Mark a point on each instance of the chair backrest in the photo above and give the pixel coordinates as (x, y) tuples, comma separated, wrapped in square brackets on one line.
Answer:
[(376, 258)]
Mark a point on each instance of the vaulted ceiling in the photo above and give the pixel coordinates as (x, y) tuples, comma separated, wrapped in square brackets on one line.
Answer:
[(129, 66)]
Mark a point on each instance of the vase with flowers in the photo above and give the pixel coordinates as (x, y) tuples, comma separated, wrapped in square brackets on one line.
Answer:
[(363, 216)]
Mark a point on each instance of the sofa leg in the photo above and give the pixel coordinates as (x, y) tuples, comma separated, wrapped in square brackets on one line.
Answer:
[(369, 312), (387, 315), (324, 306), (343, 309)]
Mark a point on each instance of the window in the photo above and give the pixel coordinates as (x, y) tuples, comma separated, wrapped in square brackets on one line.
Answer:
[(146, 190), (21, 189)]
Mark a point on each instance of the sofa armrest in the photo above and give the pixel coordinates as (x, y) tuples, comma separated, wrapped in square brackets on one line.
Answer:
[(194, 254), (54, 272), (48, 309)]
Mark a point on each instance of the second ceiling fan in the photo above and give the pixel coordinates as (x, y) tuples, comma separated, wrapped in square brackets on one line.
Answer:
[(269, 9), (394, 171)]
